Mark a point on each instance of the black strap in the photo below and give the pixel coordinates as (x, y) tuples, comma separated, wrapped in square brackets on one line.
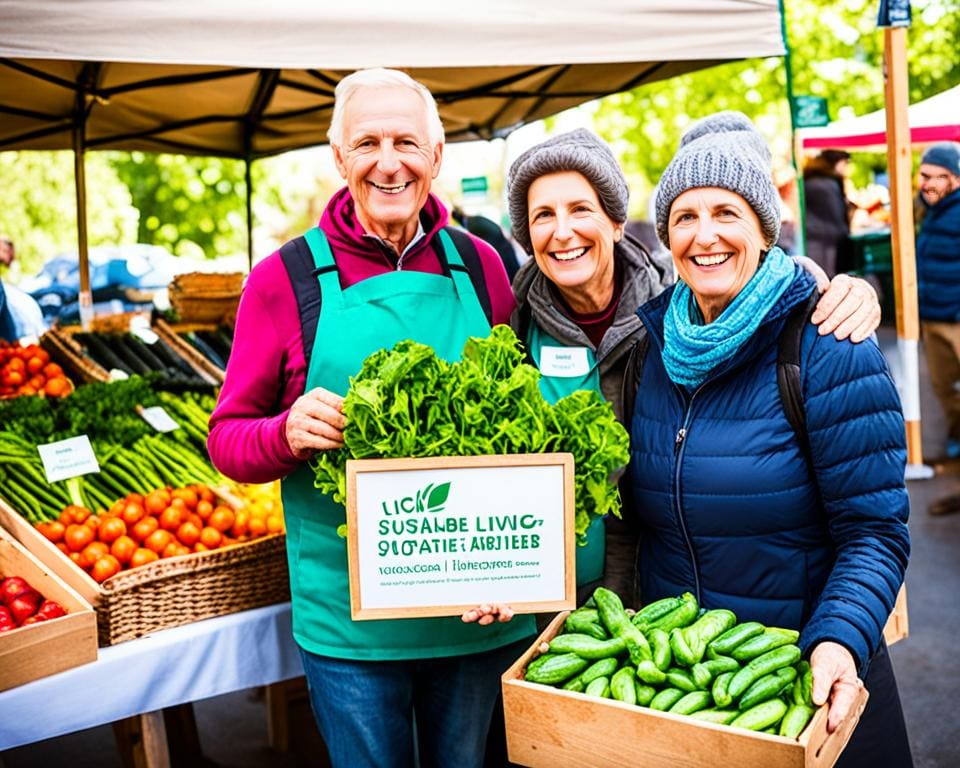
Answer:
[(631, 377), (788, 369), (299, 264)]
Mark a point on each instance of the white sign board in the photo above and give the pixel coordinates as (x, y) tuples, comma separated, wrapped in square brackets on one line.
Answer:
[(68, 458), (436, 537)]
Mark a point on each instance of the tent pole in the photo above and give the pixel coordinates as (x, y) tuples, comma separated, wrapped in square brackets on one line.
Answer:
[(85, 297), (899, 162), (801, 242), (248, 177)]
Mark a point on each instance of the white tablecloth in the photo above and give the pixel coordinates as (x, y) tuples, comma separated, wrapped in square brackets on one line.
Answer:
[(188, 663)]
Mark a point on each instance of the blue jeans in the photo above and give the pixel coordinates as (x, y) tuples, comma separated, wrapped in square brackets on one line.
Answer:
[(366, 710)]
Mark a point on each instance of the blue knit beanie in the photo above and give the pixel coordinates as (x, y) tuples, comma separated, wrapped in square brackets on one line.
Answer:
[(946, 154), (723, 150)]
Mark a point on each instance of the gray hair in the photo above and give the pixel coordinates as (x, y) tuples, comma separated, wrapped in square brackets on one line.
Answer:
[(381, 78)]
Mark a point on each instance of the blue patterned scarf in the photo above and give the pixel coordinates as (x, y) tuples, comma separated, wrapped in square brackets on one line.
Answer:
[(691, 349)]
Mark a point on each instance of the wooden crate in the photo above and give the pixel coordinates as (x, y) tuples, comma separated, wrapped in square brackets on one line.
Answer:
[(898, 625), (550, 727), (171, 591), (47, 647)]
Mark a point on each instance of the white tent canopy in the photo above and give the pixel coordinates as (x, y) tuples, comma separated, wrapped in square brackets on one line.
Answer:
[(931, 120), (246, 78)]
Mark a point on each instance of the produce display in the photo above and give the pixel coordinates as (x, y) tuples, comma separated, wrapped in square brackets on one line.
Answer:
[(133, 456), (215, 345), (29, 371), (21, 605), (166, 522), (674, 657), (407, 402), (128, 353)]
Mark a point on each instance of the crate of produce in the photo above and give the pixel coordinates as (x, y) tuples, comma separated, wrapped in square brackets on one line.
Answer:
[(549, 726), (70, 355), (169, 591), (189, 352), (38, 649), (201, 297)]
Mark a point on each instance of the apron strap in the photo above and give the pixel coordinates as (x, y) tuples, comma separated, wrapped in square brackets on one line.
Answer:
[(462, 282)]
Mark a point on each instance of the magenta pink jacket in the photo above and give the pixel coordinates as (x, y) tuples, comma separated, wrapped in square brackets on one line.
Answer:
[(267, 370)]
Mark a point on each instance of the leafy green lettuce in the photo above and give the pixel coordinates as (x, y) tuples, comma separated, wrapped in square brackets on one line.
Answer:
[(407, 402)]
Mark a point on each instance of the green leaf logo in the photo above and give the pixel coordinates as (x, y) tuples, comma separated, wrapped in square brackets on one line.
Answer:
[(437, 497)]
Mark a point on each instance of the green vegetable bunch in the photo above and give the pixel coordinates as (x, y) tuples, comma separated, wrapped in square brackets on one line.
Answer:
[(407, 402)]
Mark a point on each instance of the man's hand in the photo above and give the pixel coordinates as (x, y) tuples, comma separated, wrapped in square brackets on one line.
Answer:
[(315, 423), (488, 613), (834, 678), (848, 308)]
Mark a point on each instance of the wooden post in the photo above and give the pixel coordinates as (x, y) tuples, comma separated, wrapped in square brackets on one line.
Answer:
[(85, 297), (899, 162)]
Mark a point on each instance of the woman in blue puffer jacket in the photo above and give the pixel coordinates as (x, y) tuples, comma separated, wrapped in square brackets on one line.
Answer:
[(728, 503)]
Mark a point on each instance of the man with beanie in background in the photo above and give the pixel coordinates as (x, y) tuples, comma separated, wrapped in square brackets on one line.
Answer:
[(938, 274)]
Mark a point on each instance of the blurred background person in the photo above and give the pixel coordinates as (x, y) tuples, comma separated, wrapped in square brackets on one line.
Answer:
[(25, 318), (489, 231), (827, 208)]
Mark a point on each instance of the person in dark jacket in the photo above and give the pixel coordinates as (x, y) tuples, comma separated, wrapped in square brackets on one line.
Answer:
[(827, 218), (729, 505), (938, 273)]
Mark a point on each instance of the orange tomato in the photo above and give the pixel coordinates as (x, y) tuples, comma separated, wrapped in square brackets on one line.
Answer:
[(221, 518), (257, 527), (172, 517), (52, 370), (132, 512), (189, 533), (274, 524), (74, 514), (111, 529), (187, 495), (52, 531), (56, 387), (171, 550), (211, 537), (93, 521), (143, 528), (77, 536), (105, 567), (93, 552), (206, 494), (155, 503), (241, 523), (204, 508), (158, 540), (123, 548), (143, 556)]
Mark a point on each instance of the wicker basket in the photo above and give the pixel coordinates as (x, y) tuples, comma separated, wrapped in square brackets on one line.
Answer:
[(65, 351), (201, 297)]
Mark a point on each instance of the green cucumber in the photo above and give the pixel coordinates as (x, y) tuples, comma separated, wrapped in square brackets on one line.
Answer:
[(666, 699), (761, 644), (680, 617), (575, 684), (622, 686), (680, 678), (648, 672), (766, 687), (719, 716), (795, 720), (719, 690), (552, 669), (660, 645), (703, 672), (585, 621), (682, 653), (599, 688), (615, 619), (711, 625), (602, 668), (761, 716), (785, 656), (587, 647), (692, 702), (645, 693), (803, 685), (725, 643), (654, 611)]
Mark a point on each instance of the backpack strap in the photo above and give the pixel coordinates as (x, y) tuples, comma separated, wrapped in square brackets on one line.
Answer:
[(303, 274), (788, 369), (472, 265), (631, 377)]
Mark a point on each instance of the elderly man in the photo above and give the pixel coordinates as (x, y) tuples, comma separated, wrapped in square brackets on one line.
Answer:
[(938, 273), (382, 266)]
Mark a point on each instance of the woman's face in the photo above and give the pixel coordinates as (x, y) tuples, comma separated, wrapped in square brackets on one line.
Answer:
[(573, 238), (716, 240)]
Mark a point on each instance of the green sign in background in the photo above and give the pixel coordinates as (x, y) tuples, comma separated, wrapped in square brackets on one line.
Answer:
[(810, 111)]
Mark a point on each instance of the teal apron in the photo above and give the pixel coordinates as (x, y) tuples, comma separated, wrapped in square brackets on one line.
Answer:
[(591, 555), (374, 314)]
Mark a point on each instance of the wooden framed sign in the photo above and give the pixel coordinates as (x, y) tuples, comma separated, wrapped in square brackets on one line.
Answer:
[(436, 537)]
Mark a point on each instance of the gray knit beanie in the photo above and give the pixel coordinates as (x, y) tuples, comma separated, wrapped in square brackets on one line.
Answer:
[(946, 154), (579, 151), (723, 150)]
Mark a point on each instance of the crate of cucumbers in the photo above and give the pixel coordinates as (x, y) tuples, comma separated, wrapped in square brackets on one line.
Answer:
[(667, 685)]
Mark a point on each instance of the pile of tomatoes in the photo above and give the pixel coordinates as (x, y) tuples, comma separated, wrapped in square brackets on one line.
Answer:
[(21, 604), (29, 371), (138, 529)]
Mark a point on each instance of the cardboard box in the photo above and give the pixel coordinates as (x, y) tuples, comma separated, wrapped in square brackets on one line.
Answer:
[(549, 727), (45, 648), (898, 625)]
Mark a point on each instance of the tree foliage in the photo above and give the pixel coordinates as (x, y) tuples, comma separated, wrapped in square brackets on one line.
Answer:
[(836, 53)]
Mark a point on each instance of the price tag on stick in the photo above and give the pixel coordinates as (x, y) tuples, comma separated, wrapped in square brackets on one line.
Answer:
[(68, 458), (158, 418)]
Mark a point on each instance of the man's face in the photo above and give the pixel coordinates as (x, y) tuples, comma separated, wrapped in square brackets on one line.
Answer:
[(387, 157), (6, 253), (936, 182)]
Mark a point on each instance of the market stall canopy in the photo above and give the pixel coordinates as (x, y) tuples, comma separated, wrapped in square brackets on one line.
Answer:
[(933, 119), (249, 79)]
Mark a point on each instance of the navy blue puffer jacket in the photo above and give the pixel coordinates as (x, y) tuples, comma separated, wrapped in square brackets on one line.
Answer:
[(938, 261), (729, 508)]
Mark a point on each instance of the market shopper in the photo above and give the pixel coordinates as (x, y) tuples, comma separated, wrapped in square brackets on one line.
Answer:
[(807, 531), (568, 201), (379, 268), (938, 273), (827, 215)]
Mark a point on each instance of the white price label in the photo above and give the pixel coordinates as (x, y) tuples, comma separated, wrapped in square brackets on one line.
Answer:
[(140, 327), (564, 362), (159, 419), (68, 458)]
